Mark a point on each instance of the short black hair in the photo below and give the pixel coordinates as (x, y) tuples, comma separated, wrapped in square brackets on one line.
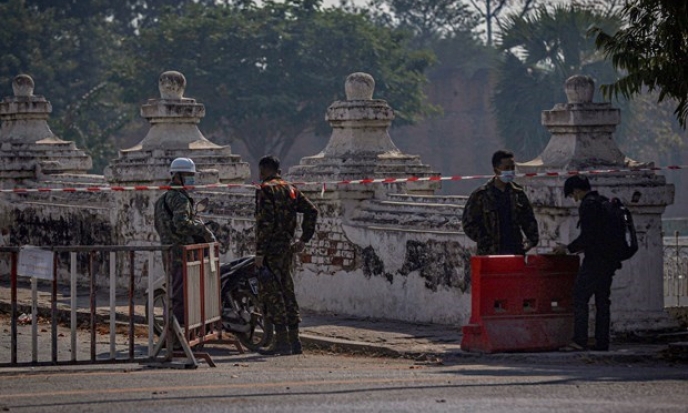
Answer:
[(270, 161), (499, 155), (576, 182)]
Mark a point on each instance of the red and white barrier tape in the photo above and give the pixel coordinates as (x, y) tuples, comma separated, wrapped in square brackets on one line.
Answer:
[(324, 185)]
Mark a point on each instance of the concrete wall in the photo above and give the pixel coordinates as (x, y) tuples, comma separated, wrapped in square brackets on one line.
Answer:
[(380, 250)]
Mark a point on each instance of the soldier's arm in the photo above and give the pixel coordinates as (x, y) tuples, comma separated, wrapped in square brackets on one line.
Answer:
[(265, 218), (182, 221), (310, 216), (472, 219), (528, 222)]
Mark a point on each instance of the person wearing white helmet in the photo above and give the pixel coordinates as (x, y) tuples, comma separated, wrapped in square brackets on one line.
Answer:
[(176, 226), (184, 170)]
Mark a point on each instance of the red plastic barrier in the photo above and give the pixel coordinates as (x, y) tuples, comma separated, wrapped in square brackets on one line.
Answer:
[(520, 304)]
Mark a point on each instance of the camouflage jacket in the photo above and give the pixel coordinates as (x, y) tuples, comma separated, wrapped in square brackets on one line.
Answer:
[(277, 203), (174, 219), (481, 218)]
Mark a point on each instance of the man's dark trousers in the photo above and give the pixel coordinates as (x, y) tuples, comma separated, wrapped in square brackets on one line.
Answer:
[(175, 268), (594, 278), (177, 276)]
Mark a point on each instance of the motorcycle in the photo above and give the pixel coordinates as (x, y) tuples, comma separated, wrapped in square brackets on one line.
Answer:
[(242, 310), (243, 313)]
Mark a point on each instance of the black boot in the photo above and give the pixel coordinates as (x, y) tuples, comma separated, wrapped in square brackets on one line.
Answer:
[(281, 347), (296, 347)]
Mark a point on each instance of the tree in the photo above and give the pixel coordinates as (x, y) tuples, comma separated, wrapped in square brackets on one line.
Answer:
[(124, 16), (428, 20), (446, 27), (540, 52), (656, 134), (267, 74), (651, 50), (490, 11), (68, 58)]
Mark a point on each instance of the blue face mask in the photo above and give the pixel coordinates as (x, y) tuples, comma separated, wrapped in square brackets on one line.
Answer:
[(189, 180), (507, 176)]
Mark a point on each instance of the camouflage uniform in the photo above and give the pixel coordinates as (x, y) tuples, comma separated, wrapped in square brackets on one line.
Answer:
[(481, 219), (277, 203), (175, 225)]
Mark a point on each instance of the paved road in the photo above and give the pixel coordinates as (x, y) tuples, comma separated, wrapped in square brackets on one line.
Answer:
[(326, 382), (319, 382)]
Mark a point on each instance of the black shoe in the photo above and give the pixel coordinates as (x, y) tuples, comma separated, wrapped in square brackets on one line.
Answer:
[(281, 347), (296, 347), (599, 348), (276, 351)]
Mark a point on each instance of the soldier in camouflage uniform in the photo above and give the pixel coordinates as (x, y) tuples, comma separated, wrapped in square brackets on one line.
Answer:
[(277, 203), (498, 213), (175, 225)]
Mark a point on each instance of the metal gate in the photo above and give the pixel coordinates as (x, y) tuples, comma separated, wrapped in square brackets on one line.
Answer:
[(43, 266), (676, 270)]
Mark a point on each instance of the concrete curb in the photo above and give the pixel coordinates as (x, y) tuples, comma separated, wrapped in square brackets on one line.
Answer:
[(336, 345), (642, 354)]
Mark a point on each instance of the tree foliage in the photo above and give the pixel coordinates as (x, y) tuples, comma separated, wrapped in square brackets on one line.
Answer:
[(540, 52), (124, 16), (267, 74), (265, 71), (654, 132), (490, 12), (68, 58), (651, 50), (427, 20)]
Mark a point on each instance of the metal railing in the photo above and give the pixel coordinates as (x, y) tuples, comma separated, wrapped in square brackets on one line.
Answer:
[(105, 253), (676, 270)]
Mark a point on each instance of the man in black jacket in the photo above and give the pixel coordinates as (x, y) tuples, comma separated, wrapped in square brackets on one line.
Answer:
[(598, 267), (498, 214)]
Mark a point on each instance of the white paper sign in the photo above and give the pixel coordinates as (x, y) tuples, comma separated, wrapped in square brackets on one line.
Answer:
[(35, 262)]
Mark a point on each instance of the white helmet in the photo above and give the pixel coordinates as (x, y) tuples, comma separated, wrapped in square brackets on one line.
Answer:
[(182, 165)]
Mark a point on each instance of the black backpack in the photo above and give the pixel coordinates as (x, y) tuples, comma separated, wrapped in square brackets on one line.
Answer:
[(623, 240)]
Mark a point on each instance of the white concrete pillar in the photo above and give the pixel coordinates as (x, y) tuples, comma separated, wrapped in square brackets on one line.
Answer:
[(28, 148), (360, 145), (174, 133), (582, 141)]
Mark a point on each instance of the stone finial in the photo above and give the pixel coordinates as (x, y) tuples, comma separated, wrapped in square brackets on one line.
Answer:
[(30, 149), (360, 145), (359, 86), (579, 89), (174, 133), (582, 132), (22, 86), (172, 85)]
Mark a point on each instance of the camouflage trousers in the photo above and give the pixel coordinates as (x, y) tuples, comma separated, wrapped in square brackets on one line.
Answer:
[(278, 292), (173, 265)]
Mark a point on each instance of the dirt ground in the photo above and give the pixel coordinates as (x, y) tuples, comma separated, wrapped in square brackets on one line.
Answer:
[(64, 350)]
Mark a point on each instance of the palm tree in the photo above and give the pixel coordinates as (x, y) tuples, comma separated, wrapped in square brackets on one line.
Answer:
[(540, 52)]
